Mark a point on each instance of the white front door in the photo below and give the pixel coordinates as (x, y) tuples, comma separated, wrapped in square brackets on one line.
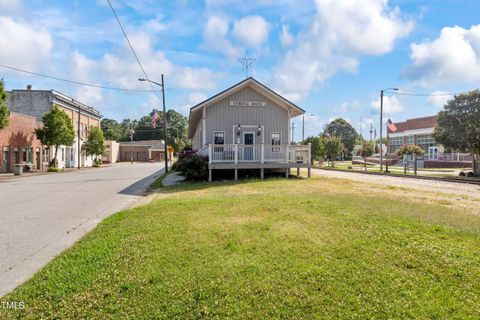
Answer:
[(433, 153)]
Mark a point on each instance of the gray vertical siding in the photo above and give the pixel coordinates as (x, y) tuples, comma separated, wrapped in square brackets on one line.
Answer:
[(222, 117), (197, 138)]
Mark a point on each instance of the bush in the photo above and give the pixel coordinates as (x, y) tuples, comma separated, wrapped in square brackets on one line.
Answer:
[(54, 169), (470, 174), (97, 163), (462, 174), (193, 169)]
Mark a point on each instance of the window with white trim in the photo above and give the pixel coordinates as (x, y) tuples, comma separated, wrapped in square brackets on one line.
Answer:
[(219, 137), (276, 141)]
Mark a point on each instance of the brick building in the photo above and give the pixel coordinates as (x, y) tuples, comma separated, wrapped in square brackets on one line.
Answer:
[(144, 150), (419, 131), (38, 102), (19, 144)]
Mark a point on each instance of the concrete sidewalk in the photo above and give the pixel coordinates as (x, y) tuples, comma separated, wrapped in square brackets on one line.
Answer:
[(40, 216)]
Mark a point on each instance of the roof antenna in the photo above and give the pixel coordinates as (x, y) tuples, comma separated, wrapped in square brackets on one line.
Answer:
[(247, 64)]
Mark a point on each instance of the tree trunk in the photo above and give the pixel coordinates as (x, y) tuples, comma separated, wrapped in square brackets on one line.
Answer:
[(476, 161), (54, 160), (415, 165), (365, 164)]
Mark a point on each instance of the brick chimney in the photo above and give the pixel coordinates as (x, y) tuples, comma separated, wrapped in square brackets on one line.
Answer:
[(29, 87)]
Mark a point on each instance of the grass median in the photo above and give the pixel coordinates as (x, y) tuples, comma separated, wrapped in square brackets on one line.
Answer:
[(297, 248)]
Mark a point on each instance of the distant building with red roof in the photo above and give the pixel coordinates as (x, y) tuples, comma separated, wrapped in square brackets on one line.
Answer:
[(419, 131)]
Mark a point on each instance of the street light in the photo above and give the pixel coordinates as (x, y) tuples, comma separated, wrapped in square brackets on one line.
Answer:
[(303, 125), (381, 125), (162, 85)]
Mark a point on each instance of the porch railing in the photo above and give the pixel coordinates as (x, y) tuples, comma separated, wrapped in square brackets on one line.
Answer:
[(259, 153)]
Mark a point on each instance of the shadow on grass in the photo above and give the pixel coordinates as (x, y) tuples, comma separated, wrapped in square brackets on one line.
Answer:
[(203, 185)]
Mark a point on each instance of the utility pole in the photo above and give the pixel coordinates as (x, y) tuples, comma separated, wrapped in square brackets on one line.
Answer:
[(165, 125), (303, 125), (371, 131), (381, 125), (165, 148), (131, 142), (361, 134), (79, 151)]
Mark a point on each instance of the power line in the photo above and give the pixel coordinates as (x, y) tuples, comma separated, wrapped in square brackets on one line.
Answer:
[(73, 81), (428, 95), (131, 48)]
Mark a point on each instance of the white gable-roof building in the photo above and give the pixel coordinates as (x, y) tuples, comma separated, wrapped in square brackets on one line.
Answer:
[(247, 126)]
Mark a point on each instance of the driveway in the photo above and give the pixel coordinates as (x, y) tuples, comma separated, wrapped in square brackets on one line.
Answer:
[(40, 216)]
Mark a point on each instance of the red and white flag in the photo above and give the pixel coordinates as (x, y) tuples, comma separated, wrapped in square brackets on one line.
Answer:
[(391, 126), (155, 117)]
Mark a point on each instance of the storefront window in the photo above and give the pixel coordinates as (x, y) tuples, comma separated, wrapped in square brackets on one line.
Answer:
[(27, 154), (46, 155)]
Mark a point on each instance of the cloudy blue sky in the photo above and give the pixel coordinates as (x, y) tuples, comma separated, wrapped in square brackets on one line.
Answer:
[(330, 57)]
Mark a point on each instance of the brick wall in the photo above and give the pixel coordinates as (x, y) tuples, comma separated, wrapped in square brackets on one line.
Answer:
[(17, 136)]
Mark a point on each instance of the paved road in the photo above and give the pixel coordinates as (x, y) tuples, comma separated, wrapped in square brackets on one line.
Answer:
[(40, 216), (418, 184)]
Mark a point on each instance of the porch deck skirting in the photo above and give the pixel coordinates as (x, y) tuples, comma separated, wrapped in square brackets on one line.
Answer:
[(256, 165), (259, 156)]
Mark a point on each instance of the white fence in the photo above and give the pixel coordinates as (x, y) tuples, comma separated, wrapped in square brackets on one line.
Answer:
[(261, 153)]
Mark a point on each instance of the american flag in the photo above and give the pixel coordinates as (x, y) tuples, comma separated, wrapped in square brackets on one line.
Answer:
[(391, 126), (155, 117)]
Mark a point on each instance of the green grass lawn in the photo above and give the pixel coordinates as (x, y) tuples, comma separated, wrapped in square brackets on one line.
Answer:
[(295, 249)]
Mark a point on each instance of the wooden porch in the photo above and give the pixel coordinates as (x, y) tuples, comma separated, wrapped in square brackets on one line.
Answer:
[(257, 156)]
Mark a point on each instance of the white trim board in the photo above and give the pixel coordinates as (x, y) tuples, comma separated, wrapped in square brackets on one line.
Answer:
[(411, 132)]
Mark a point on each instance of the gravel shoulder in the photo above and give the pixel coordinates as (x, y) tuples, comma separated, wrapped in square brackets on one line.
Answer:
[(457, 195), (451, 188)]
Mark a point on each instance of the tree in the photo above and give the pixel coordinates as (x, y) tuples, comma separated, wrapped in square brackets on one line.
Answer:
[(333, 148), (366, 151), (343, 130), (411, 150), (458, 126), (95, 143), (177, 129), (57, 130), (112, 130), (4, 113), (317, 148)]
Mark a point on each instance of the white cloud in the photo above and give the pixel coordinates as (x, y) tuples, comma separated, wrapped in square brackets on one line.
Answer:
[(251, 30), (11, 6), (123, 69), (391, 105), (454, 56), (347, 107), (339, 34), (215, 36), (438, 99), (155, 25), (197, 97), (83, 69), (286, 38), (190, 78), (24, 45)]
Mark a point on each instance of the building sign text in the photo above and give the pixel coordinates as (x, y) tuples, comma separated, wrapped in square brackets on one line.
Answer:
[(248, 103)]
